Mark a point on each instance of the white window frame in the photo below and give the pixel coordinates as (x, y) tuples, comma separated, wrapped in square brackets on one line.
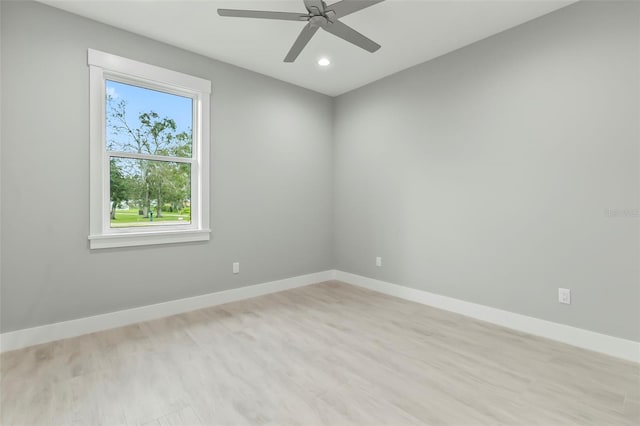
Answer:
[(105, 66)]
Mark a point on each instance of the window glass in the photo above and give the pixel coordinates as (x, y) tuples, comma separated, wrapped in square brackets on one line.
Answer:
[(149, 193), (147, 121)]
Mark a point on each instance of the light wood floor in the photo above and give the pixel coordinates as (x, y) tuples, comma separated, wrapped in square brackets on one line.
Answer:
[(329, 354)]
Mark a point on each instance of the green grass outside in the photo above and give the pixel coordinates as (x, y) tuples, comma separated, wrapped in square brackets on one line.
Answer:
[(132, 218)]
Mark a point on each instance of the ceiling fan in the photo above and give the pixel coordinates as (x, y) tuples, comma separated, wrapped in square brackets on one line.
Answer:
[(318, 15)]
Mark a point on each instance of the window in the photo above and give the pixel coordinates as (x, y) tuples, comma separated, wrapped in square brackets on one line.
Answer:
[(149, 165)]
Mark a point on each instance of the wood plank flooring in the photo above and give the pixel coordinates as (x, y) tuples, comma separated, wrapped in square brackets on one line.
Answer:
[(327, 354)]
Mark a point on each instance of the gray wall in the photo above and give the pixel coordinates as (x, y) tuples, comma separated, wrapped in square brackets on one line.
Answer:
[(486, 174), (271, 178), (493, 174)]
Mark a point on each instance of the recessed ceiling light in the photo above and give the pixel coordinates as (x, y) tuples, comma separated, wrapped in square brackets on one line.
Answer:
[(324, 62)]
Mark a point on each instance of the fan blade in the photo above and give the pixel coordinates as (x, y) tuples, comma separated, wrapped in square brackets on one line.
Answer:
[(347, 33), (282, 16), (305, 35), (346, 7)]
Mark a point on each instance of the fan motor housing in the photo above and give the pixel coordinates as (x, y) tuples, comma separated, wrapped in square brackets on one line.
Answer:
[(318, 21), (315, 6)]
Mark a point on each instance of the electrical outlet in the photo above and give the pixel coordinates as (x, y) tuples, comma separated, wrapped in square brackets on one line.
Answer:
[(378, 262), (564, 295), (236, 267)]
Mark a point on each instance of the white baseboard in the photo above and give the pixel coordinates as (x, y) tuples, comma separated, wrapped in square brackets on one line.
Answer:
[(614, 346), (62, 330)]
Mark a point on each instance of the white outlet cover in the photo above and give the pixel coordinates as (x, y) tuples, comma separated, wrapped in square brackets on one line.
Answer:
[(564, 295), (236, 267), (378, 261)]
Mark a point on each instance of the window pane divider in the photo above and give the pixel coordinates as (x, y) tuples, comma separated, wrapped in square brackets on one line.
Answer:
[(138, 156)]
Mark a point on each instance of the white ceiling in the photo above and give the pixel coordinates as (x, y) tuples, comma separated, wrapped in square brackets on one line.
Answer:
[(410, 32)]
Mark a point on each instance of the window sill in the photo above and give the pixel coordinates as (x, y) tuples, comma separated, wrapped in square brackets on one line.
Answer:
[(147, 238)]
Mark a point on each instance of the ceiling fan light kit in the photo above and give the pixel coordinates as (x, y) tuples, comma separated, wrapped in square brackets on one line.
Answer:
[(318, 15)]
